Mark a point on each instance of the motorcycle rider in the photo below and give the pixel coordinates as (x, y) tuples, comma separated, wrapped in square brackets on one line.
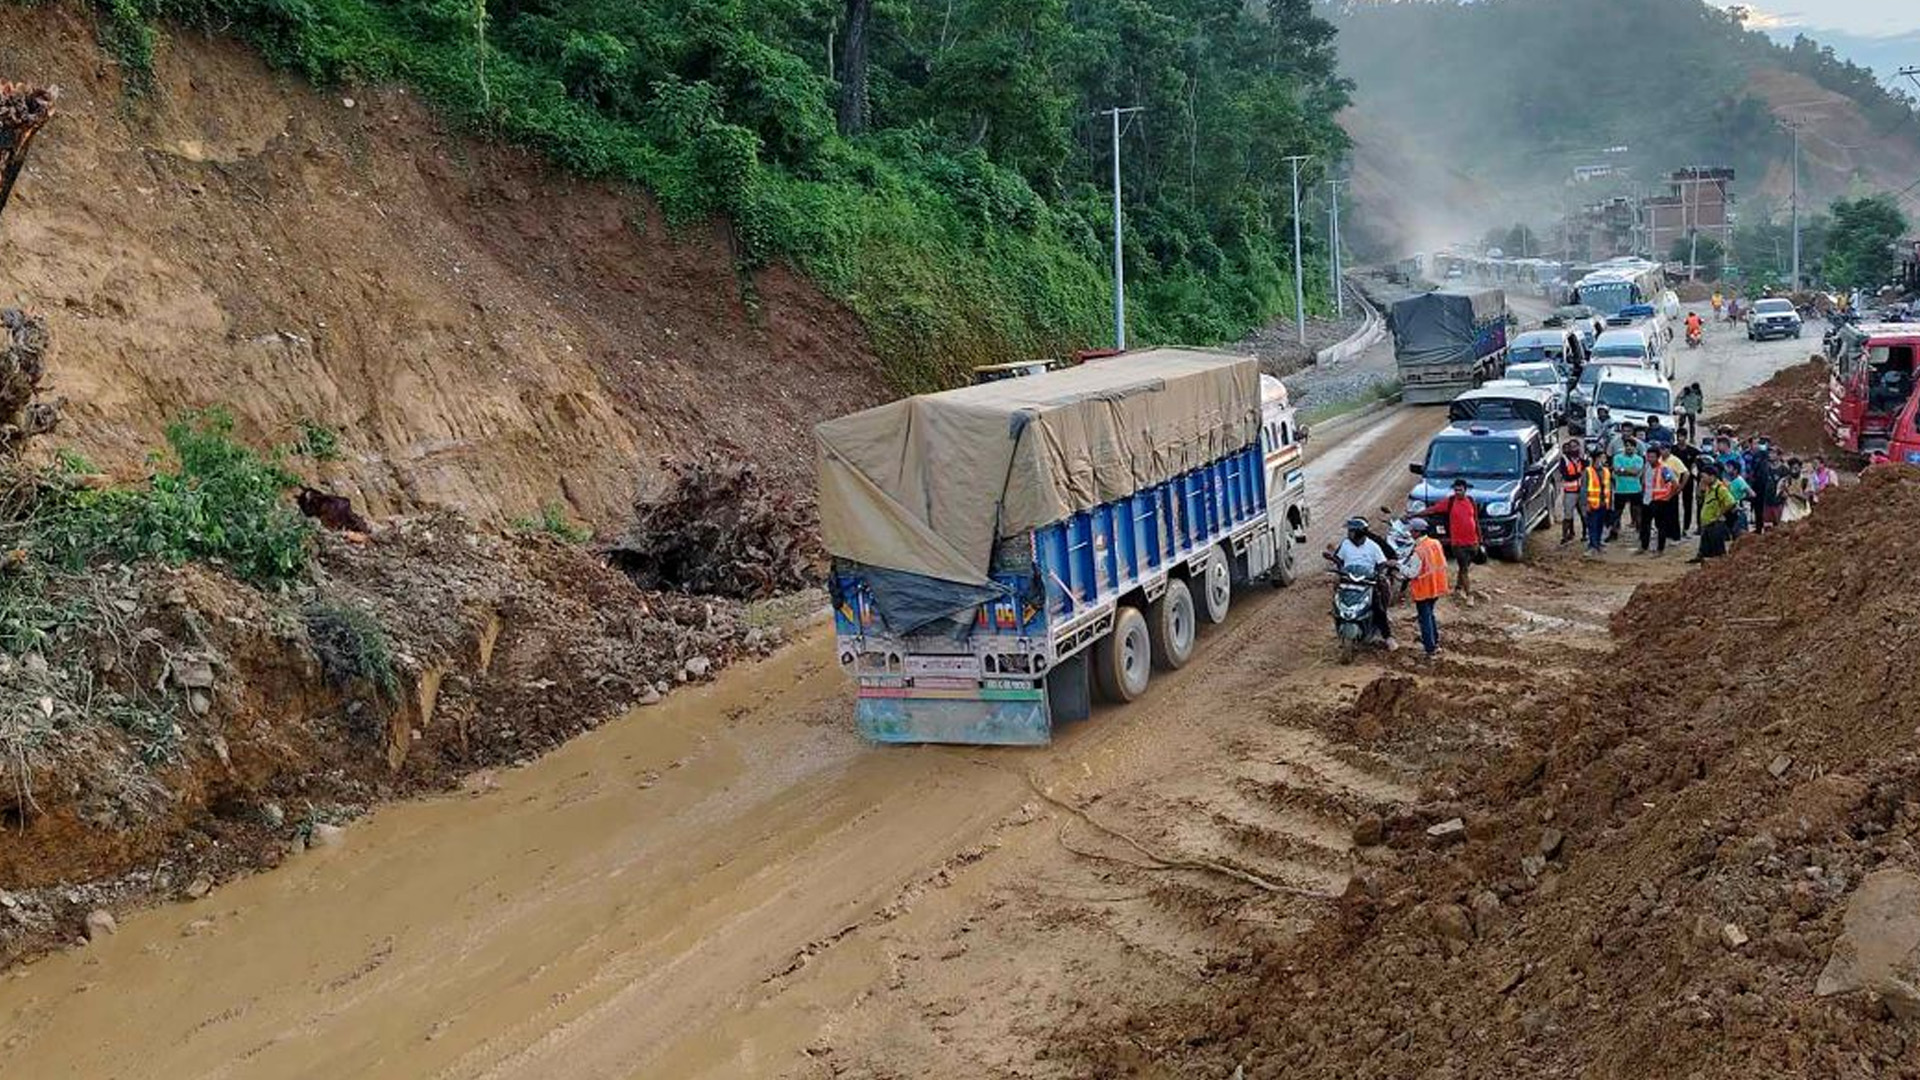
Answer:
[(1361, 550), (1696, 329)]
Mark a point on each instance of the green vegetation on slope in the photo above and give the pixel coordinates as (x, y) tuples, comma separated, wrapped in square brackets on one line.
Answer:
[(958, 205)]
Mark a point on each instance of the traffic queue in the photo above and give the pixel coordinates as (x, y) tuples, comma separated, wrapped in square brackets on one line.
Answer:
[(1631, 469)]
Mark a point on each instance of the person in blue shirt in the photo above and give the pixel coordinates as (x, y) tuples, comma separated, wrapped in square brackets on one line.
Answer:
[(1658, 434), (1742, 492), (1629, 499)]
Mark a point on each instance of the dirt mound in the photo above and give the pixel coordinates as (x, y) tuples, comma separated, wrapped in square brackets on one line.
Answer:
[(1789, 408), (717, 528), (1655, 873), (482, 332)]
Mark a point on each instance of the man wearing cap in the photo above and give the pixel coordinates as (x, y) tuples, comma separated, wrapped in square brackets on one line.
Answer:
[(1429, 571)]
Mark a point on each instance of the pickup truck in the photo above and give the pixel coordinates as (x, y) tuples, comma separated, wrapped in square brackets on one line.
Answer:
[(1447, 341), (1002, 551)]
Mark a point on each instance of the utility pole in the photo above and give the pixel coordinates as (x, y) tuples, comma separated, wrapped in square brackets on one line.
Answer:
[(1339, 293), (1299, 283), (1795, 285), (1119, 258), (1910, 73)]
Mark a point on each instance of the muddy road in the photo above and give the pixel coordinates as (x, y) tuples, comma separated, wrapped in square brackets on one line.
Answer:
[(732, 884)]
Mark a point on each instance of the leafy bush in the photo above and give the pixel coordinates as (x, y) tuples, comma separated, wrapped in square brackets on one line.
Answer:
[(552, 521), (352, 645), (316, 441), (209, 499)]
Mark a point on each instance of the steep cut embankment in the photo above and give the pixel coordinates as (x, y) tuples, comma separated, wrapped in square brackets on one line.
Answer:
[(486, 333)]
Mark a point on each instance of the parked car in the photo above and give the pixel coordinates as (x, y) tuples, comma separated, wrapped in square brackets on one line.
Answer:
[(1771, 318), (1581, 396), (1506, 465), (1544, 376), (1561, 343)]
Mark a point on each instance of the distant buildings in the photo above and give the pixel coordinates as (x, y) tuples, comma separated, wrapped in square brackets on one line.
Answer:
[(1698, 201)]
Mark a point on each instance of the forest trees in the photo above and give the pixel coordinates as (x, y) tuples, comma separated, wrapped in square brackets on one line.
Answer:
[(1860, 252), (936, 164)]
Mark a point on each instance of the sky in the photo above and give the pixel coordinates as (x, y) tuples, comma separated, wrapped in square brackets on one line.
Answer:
[(1881, 34)]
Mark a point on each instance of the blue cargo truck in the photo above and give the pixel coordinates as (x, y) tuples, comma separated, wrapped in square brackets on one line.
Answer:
[(1004, 553), (1448, 341)]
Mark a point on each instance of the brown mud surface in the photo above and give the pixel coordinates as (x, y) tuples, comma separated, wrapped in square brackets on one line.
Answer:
[(487, 334), (1657, 852), (1790, 408), (504, 647)]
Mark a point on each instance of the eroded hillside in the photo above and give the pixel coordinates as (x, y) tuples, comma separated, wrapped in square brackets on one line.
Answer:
[(485, 333)]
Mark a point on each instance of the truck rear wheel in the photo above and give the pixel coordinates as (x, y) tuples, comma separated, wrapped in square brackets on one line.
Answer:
[(1122, 661), (1216, 586), (1286, 568), (1172, 626)]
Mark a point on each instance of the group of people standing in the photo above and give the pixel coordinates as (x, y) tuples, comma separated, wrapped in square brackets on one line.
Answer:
[(1667, 490)]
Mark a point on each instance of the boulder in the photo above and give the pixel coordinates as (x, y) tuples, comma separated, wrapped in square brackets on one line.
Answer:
[(1879, 944)]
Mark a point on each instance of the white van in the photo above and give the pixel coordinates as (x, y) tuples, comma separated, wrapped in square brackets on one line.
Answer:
[(1644, 343), (1632, 395)]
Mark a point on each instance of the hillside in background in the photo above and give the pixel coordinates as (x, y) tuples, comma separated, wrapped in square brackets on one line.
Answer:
[(482, 330), (1511, 95)]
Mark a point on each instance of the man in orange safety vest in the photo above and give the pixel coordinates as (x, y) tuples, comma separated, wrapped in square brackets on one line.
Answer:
[(1596, 498), (1429, 574)]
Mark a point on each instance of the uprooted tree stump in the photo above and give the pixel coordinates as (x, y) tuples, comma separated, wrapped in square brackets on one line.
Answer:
[(716, 528), (23, 359), (23, 111)]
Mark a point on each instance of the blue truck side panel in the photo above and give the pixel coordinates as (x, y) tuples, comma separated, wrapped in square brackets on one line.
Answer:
[(1102, 553), (990, 689)]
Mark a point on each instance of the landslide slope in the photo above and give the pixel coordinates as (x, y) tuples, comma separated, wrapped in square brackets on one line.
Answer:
[(486, 333)]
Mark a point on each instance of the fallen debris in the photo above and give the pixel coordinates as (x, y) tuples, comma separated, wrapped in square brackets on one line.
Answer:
[(717, 529)]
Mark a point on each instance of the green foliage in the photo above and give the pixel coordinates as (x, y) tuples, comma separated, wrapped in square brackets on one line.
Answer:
[(1763, 250), (1708, 251), (971, 222), (209, 498), (316, 441), (553, 521), (1860, 253), (352, 645), (129, 38)]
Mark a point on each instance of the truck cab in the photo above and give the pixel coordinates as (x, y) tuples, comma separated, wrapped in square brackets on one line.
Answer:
[(1871, 380), (1507, 466)]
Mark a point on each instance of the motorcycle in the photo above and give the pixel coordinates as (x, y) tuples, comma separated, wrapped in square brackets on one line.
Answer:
[(1354, 621), (1695, 338), (1398, 542)]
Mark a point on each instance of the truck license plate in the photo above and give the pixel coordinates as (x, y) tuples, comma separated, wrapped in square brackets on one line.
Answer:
[(959, 667)]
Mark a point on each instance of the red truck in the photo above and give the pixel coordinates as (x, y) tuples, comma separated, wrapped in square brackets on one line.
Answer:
[(1872, 379)]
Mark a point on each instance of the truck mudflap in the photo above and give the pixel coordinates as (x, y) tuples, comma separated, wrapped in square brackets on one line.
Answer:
[(984, 717)]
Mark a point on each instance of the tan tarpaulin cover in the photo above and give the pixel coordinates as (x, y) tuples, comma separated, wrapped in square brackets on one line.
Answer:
[(927, 484)]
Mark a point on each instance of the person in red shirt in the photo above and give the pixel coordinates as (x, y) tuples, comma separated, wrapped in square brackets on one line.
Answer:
[(1463, 534)]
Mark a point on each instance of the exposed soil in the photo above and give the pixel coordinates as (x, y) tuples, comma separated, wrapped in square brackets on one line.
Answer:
[(488, 335), (1652, 874), (1789, 408), (505, 647)]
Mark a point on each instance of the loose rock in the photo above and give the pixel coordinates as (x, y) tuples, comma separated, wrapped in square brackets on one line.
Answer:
[(100, 923)]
